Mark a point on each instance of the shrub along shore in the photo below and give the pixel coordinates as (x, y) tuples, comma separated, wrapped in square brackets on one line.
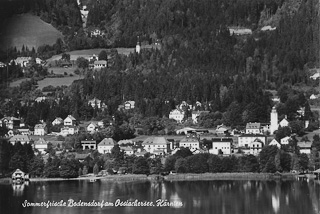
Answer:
[(174, 177), (229, 176)]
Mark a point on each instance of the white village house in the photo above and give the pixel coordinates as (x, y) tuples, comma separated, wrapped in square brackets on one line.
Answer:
[(155, 145), (69, 121), (221, 146), (106, 145), (190, 142), (177, 115)]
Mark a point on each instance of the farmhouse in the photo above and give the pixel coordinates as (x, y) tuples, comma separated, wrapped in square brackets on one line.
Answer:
[(99, 64), (10, 122)]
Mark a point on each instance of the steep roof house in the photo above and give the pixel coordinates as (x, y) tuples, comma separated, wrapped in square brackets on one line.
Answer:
[(155, 144), (106, 145), (70, 121)]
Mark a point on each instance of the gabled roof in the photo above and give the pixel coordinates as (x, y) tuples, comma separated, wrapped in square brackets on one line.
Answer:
[(155, 141), (58, 119), (81, 156), (71, 117), (24, 138), (107, 142), (189, 140), (305, 144), (219, 140), (39, 126), (253, 126), (125, 142), (99, 62), (126, 148), (41, 141), (252, 135)]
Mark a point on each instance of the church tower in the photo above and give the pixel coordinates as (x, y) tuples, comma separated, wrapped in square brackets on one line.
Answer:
[(273, 120)]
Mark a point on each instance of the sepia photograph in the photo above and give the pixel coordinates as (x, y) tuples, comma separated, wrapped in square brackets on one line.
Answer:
[(160, 106)]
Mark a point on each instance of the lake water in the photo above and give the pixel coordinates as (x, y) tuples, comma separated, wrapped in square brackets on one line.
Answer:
[(221, 197)]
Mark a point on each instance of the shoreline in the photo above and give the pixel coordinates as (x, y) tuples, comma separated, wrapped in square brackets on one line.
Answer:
[(172, 177)]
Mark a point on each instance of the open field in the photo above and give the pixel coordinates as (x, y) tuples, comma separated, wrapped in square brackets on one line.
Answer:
[(89, 52), (66, 80), (18, 82), (27, 30)]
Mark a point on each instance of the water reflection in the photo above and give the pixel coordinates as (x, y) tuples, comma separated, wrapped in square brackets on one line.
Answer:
[(228, 197)]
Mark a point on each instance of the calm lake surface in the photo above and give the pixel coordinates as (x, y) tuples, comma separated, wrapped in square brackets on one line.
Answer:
[(221, 197)]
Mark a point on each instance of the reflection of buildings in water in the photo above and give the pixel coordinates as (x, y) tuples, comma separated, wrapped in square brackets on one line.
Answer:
[(275, 203), (196, 202), (163, 190), (314, 189), (19, 188), (175, 198), (287, 200), (107, 189)]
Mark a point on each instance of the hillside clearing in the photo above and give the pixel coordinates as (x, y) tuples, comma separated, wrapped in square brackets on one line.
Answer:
[(27, 30)]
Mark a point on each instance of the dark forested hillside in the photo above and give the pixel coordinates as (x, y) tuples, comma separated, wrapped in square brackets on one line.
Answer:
[(199, 60)]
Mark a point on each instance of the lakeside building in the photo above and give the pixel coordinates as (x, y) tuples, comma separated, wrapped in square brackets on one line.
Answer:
[(157, 145), (221, 146)]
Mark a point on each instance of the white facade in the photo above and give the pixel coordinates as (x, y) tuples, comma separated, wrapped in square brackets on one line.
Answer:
[(57, 121), (223, 146), (285, 140), (91, 127), (273, 120), (127, 150), (284, 122), (253, 128), (274, 142), (69, 121), (177, 115), (153, 144), (256, 147), (106, 145), (100, 64), (305, 147), (41, 145), (40, 129), (190, 142), (71, 130), (246, 139)]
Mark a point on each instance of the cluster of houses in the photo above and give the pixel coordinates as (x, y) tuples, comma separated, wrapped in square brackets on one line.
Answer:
[(179, 113)]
